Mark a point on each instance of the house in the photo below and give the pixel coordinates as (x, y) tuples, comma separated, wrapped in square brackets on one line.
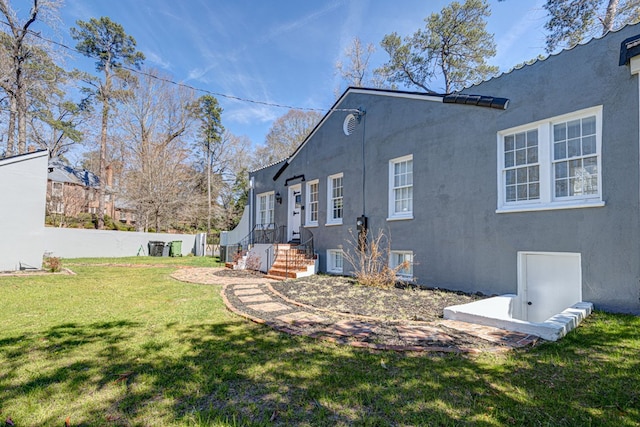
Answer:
[(511, 186), (72, 191)]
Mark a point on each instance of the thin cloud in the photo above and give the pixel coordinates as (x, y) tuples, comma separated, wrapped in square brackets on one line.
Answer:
[(157, 59), (287, 27), (509, 44)]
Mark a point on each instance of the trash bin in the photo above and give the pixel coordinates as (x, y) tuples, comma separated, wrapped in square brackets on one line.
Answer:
[(176, 248), (155, 248), (165, 249)]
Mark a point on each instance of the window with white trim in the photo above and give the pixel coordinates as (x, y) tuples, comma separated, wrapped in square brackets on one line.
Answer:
[(265, 209), (57, 207), (551, 164), (57, 189), (312, 203), (335, 261), (401, 188), (335, 198), (404, 260)]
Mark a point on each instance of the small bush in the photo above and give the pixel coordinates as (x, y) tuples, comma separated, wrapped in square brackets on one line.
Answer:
[(369, 258), (52, 264)]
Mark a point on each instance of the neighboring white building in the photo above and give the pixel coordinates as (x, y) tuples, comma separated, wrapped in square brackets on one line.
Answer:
[(23, 190)]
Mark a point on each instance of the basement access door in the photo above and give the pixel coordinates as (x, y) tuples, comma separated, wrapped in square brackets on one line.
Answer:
[(548, 283)]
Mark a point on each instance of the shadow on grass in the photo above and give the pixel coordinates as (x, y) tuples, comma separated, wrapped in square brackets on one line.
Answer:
[(238, 373)]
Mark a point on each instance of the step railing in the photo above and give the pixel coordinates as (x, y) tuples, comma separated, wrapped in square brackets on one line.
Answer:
[(297, 257), (260, 234)]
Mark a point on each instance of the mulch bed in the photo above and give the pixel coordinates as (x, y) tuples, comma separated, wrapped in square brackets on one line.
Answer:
[(342, 294), (387, 316)]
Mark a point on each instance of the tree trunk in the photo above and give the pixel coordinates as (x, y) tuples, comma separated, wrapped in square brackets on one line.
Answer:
[(610, 16), (22, 121), (102, 164), (11, 131)]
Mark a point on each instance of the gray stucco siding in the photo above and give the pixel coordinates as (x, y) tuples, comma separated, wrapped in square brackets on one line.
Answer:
[(458, 239), (606, 237)]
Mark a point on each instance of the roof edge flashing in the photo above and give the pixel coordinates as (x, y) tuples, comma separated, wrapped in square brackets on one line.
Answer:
[(477, 100)]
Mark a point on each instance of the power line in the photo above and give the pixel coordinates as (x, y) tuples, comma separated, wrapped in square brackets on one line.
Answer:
[(186, 86)]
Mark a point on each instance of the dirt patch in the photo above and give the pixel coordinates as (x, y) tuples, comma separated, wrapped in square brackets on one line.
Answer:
[(344, 295)]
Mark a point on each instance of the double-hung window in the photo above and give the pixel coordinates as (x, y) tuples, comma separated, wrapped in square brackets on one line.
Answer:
[(335, 198), (575, 158), (265, 209), (401, 188), (402, 262), (335, 261), (312, 203), (551, 164)]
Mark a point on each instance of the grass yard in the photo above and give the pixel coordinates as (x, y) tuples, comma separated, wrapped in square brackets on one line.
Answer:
[(130, 346)]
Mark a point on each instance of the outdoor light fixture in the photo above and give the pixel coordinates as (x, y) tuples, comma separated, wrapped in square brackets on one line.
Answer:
[(278, 198)]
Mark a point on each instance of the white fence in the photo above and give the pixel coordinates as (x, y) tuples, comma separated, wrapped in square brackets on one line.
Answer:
[(80, 243)]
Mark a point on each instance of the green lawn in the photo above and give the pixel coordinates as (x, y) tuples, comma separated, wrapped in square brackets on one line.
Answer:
[(119, 346)]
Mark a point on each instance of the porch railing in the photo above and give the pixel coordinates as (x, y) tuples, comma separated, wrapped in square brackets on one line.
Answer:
[(260, 234), (274, 235), (298, 257)]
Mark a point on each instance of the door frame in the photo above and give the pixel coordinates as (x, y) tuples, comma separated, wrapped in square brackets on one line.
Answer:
[(294, 211)]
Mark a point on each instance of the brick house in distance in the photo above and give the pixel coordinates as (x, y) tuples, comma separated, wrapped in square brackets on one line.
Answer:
[(74, 191)]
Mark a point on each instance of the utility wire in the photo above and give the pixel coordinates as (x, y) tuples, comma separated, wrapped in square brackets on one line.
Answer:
[(183, 85)]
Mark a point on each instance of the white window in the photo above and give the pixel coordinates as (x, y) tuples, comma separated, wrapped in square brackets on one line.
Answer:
[(57, 207), (335, 261), (335, 199), (265, 209), (57, 189), (551, 164), (312, 203), (404, 260), (401, 188)]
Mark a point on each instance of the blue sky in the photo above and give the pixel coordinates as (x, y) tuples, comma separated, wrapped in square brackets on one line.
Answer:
[(281, 51)]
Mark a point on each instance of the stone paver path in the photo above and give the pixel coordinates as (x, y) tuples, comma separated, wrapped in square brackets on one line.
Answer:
[(254, 299)]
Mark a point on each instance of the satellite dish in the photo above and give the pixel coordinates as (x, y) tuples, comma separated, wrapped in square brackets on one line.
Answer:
[(350, 123)]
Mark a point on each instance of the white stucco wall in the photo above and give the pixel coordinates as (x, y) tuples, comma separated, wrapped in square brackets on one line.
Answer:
[(80, 243), (237, 234), (23, 194)]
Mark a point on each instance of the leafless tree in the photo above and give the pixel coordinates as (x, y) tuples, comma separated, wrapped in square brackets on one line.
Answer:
[(286, 133), (21, 58), (156, 122), (354, 69)]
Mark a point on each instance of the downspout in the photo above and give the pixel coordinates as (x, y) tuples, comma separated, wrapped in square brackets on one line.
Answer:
[(364, 168), (251, 202), (634, 68)]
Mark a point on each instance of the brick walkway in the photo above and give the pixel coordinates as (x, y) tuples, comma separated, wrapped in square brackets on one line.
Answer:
[(255, 299)]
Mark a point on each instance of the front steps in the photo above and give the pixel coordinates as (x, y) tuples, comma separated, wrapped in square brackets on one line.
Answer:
[(291, 263)]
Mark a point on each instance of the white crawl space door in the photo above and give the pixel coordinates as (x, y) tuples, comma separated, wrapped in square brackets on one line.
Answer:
[(548, 283)]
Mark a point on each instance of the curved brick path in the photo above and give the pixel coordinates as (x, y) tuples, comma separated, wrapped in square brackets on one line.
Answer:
[(257, 300)]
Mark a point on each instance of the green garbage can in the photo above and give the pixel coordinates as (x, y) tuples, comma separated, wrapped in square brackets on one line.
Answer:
[(176, 248)]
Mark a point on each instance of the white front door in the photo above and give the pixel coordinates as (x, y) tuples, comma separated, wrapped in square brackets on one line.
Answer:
[(548, 283), (295, 212)]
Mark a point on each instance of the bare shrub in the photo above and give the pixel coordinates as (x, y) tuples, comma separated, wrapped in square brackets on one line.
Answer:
[(369, 254), (52, 264), (253, 262)]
